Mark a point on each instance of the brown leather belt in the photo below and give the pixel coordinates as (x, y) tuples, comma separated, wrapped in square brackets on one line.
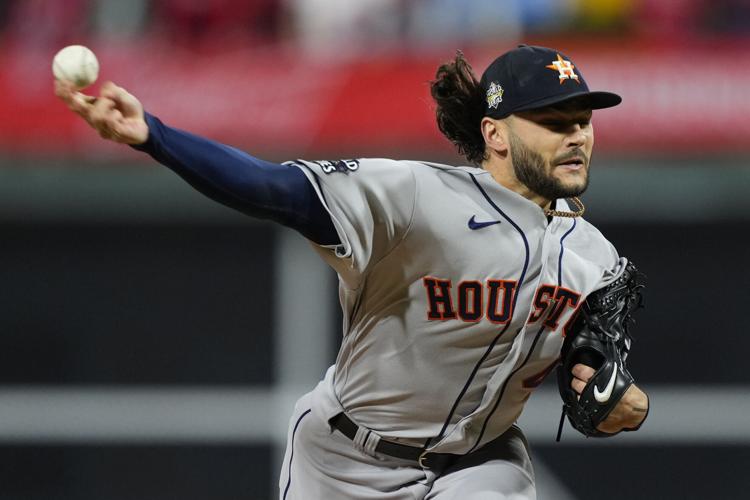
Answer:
[(425, 460)]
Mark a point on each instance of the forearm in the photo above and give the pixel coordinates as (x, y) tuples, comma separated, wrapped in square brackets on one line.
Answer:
[(238, 180)]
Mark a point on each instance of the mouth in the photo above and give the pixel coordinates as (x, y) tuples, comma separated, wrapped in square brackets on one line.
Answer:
[(574, 163)]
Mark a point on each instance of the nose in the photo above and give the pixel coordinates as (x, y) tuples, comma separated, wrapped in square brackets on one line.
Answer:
[(577, 137)]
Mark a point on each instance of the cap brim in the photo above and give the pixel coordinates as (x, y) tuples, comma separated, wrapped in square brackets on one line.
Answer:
[(594, 100)]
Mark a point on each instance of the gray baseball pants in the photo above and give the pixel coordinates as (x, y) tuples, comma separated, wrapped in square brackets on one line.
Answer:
[(323, 464)]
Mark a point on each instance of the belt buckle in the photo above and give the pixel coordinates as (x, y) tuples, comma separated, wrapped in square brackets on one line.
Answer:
[(421, 460)]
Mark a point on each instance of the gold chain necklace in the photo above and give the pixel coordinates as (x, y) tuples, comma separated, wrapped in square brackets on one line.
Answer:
[(560, 213)]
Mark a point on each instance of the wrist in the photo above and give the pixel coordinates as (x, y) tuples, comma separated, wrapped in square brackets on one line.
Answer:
[(640, 411), (146, 142)]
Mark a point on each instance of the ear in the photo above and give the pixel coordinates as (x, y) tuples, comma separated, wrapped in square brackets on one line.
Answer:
[(495, 135)]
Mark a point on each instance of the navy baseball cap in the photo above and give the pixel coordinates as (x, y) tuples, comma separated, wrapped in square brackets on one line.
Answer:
[(529, 77)]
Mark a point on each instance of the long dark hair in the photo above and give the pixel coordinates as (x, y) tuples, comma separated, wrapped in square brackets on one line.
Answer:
[(460, 107)]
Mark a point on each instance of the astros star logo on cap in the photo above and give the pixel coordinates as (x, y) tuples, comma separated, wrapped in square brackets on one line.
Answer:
[(565, 69)]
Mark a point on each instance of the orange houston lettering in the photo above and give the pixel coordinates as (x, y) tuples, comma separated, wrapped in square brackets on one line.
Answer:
[(498, 307), (550, 302)]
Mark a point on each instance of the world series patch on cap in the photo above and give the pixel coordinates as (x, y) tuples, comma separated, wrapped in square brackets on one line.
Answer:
[(530, 77)]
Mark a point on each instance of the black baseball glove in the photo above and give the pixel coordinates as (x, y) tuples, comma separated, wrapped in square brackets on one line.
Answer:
[(600, 339)]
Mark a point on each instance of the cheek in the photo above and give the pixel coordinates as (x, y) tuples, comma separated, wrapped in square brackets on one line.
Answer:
[(549, 150), (550, 154)]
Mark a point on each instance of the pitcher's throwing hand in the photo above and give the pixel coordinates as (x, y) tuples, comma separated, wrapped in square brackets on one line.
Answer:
[(115, 113)]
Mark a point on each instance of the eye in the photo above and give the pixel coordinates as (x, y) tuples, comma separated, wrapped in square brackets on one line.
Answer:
[(556, 124), (566, 124)]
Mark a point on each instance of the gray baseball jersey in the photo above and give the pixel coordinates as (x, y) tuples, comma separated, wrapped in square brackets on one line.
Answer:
[(455, 293)]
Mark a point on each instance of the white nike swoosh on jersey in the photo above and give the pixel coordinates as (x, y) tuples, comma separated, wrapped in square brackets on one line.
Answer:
[(603, 396)]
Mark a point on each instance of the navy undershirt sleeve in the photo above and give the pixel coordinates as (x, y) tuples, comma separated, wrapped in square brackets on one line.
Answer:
[(256, 187)]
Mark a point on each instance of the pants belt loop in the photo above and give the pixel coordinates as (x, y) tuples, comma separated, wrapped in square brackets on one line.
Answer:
[(371, 442), (365, 440)]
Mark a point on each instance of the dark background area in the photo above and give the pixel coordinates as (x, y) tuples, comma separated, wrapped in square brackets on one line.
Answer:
[(128, 304), (127, 472), (697, 286), (650, 472)]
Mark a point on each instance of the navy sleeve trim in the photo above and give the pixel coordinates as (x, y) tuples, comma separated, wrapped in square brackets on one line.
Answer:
[(255, 187)]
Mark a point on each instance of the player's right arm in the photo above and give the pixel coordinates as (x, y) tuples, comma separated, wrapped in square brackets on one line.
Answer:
[(256, 187)]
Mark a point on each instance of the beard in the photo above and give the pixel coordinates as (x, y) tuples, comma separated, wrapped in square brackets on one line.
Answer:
[(533, 171)]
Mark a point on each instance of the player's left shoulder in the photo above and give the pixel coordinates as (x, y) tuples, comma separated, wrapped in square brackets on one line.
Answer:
[(583, 237)]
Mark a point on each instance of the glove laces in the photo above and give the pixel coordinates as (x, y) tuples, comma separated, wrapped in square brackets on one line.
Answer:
[(562, 423)]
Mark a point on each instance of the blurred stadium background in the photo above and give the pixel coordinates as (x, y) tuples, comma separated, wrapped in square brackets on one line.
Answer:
[(152, 342)]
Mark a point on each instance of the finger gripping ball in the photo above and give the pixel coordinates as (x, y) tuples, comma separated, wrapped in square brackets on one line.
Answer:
[(76, 64)]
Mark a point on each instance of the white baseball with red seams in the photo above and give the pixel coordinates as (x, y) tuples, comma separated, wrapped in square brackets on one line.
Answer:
[(76, 64)]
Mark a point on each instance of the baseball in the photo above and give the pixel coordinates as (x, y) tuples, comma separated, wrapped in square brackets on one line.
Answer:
[(76, 64)]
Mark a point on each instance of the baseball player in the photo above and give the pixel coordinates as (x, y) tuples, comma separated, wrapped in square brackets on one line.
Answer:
[(457, 284)]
